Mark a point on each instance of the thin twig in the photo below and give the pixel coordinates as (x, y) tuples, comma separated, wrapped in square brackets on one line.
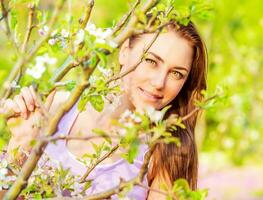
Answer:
[(107, 155), (4, 14), (29, 27), (38, 149), (108, 193), (6, 90), (85, 19), (125, 18), (135, 181), (8, 30), (63, 70), (128, 30), (68, 137), (197, 108), (124, 35), (132, 68)]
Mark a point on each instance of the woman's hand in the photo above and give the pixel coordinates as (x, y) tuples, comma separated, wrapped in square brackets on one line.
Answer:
[(25, 118), (21, 105)]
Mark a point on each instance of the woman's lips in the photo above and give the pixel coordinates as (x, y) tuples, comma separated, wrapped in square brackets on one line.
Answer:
[(149, 95)]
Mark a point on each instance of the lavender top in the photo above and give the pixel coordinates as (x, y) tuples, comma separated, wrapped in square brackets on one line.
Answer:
[(104, 176)]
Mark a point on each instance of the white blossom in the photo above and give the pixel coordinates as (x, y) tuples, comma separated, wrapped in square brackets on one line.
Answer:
[(153, 114), (127, 113), (112, 44), (136, 118), (40, 67), (14, 84), (122, 131), (52, 41), (54, 33), (77, 187), (101, 34), (43, 31), (100, 40), (36, 72), (128, 124), (92, 80), (79, 37), (91, 28), (46, 59), (4, 180), (3, 173), (64, 33), (104, 71)]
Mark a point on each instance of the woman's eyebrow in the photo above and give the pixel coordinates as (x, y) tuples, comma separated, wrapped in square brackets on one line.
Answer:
[(181, 68), (159, 58), (156, 56)]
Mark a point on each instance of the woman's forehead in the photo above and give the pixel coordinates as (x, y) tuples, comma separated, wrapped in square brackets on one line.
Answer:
[(170, 47)]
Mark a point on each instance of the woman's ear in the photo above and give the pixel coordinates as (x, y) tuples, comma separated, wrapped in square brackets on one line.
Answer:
[(124, 50)]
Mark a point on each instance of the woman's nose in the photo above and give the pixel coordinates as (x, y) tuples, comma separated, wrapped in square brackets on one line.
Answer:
[(158, 80)]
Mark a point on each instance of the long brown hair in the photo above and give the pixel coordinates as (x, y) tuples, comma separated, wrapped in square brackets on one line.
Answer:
[(169, 160)]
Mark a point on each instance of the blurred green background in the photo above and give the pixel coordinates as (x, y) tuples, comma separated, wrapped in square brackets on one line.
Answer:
[(230, 135)]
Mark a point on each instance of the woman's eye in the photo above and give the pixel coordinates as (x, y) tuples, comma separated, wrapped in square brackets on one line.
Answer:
[(177, 75), (150, 61)]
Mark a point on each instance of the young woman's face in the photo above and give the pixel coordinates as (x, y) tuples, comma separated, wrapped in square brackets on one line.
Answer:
[(163, 72)]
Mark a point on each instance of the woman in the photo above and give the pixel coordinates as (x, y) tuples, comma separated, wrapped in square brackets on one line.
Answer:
[(173, 72)]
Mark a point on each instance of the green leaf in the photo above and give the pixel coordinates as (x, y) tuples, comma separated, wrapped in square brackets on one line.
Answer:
[(91, 63), (175, 140), (33, 143), (83, 101), (70, 85), (133, 151), (141, 16), (103, 59), (97, 102), (13, 19), (86, 186)]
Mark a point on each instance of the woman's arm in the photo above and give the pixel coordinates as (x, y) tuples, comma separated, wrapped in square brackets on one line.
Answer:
[(25, 129)]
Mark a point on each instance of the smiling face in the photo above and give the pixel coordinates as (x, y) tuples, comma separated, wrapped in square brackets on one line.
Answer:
[(160, 76)]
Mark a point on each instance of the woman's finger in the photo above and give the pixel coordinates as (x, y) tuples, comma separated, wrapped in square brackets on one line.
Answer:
[(28, 98), (33, 93), (8, 107), (21, 104), (11, 105)]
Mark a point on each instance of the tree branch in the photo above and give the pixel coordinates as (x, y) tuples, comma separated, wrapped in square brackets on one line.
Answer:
[(84, 21), (38, 149), (197, 108), (29, 27), (128, 30), (6, 90), (8, 31), (132, 68), (108, 154), (125, 18), (135, 181), (67, 67)]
